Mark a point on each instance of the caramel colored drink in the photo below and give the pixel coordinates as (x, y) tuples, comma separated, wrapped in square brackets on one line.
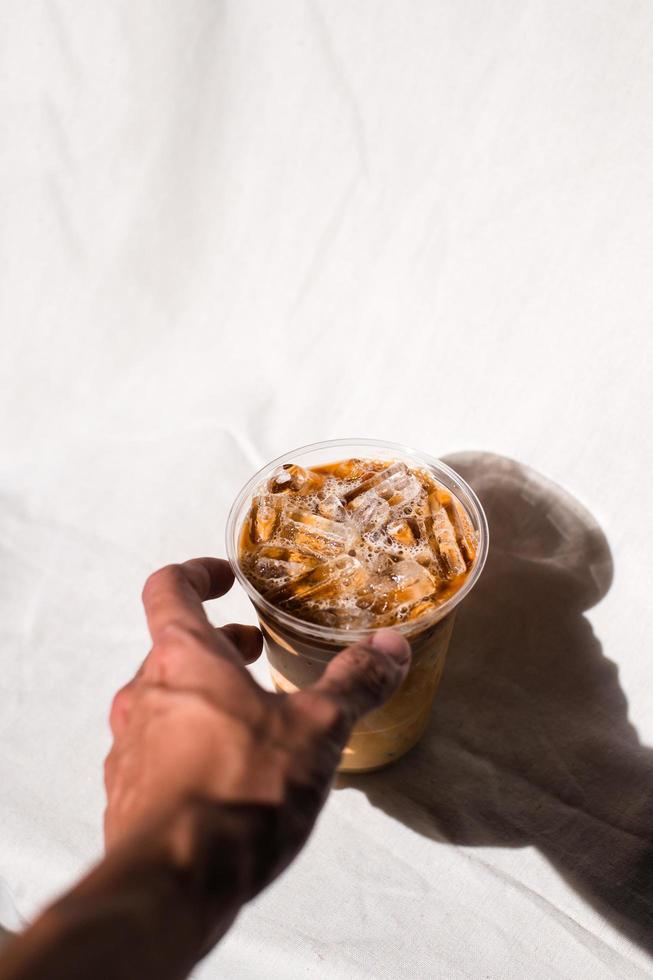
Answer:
[(332, 550)]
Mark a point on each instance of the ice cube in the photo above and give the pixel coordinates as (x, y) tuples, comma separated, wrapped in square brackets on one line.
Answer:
[(270, 569), (442, 496), (353, 469), (463, 529), (412, 582), (326, 580), (443, 539), (301, 586), (380, 563), (333, 508), (408, 538), (376, 594), (281, 553), (345, 617), (404, 532), (318, 535), (422, 608), (349, 575), (385, 482), (296, 479), (369, 510), (278, 565), (403, 491), (352, 573), (263, 517), (407, 583)]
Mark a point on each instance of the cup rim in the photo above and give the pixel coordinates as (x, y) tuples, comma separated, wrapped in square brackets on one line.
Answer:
[(337, 634)]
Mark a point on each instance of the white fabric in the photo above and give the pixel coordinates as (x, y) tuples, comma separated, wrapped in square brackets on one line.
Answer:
[(231, 228)]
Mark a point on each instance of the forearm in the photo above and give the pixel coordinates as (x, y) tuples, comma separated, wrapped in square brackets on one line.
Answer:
[(153, 906)]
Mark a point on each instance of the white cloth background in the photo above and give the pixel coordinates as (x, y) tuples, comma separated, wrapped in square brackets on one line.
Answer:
[(230, 228)]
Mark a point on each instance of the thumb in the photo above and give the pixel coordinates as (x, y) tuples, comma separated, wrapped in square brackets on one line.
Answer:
[(365, 675)]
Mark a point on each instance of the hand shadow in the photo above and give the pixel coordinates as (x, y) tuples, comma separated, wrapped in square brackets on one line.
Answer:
[(529, 741)]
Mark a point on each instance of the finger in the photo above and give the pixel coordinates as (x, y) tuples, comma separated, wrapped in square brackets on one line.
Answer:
[(247, 639), (173, 596), (365, 675)]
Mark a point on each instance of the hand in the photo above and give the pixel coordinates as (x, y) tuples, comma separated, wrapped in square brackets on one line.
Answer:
[(213, 785), (195, 735)]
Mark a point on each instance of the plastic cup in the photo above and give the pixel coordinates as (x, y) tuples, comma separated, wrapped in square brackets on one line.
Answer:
[(298, 651)]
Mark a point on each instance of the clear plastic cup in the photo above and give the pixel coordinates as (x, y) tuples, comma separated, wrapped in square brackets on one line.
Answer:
[(299, 651)]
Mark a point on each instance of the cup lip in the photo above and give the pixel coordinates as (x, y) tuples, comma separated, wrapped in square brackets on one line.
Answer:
[(337, 635)]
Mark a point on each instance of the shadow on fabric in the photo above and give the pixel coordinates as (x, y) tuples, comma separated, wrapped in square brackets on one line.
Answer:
[(529, 741)]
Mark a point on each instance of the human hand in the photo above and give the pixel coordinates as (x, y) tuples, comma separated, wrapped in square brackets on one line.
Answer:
[(198, 743), (213, 785)]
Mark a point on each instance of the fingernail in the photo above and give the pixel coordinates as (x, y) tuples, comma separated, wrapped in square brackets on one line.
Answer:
[(393, 643)]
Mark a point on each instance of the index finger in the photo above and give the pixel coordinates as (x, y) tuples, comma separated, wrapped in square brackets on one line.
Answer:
[(173, 595)]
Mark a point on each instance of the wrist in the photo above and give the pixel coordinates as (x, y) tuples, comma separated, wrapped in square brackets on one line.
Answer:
[(152, 907), (208, 858)]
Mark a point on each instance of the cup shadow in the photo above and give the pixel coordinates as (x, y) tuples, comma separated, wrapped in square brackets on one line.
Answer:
[(529, 741)]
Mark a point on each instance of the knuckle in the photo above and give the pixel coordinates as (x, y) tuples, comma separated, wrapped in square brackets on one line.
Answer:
[(174, 634), (375, 672), (161, 661), (169, 575), (120, 705), (120, 699), (175, 643)]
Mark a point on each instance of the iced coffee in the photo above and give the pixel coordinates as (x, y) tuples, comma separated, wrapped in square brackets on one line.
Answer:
[(351, 546)]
